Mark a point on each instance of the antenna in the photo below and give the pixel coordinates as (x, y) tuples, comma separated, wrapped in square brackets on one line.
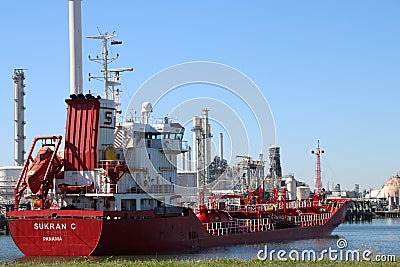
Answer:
[(110, 77)]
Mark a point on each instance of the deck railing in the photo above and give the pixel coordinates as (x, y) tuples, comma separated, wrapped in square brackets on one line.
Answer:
[(302, 219), (269, 207), (239, 226)]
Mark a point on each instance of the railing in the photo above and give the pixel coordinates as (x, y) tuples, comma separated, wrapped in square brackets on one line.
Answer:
[(270, 207), (160, 188), (259, 225), (305, 220), (239, 226)]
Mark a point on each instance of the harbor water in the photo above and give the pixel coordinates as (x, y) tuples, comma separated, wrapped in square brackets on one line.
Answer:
[(381, 236)]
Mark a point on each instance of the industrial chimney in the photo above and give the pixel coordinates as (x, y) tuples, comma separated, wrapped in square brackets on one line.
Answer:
[(19, 122), (75, 47), (221, 146)]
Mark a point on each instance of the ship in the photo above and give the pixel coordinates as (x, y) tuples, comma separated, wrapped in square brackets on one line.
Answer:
[(109, 188)]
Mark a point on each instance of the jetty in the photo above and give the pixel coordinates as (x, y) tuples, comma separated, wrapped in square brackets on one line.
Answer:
[(360, 211), (388, 213)]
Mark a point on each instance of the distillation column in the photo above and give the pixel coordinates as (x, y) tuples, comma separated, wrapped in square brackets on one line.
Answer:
[(19, 122)]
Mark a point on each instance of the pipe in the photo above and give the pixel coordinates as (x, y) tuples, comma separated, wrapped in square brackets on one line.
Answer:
[(75, 47), (221, 146), (19, 122), (189, 164)]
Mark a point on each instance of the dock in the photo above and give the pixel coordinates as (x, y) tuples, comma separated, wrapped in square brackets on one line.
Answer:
[(4, 230), (3, 219), (388, 213), (360, 211)]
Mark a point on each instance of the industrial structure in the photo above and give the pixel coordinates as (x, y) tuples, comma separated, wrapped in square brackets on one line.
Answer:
[(19, 114), (202, 148), (317, 180), (249, 172)]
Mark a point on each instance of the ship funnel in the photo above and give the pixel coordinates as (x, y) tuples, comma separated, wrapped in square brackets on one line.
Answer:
[(75, 47)]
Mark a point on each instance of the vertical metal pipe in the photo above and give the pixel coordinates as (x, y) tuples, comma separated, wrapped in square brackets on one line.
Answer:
[(189, 164), (221, 145), (183, 162), (207, 145), (19, 122), (75, 46)]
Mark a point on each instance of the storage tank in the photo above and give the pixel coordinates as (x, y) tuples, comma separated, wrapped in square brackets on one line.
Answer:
[(291, 187), (268, 185), (391, 190), (303, 192), (8, 178)]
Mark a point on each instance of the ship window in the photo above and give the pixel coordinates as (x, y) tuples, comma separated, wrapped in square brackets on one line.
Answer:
[(179, 136), (159, 136)]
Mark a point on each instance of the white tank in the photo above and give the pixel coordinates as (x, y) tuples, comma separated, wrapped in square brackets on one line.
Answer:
[(197, 122), (268, 185), (303, 192), (8, 178), (10, 173), (291, 187)]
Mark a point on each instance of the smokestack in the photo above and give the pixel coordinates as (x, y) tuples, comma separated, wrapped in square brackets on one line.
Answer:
[(221, 146), (19, 122), (75, 47)]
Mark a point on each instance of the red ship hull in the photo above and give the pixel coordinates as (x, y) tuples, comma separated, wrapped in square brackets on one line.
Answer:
[(84, 233), (55, 233)]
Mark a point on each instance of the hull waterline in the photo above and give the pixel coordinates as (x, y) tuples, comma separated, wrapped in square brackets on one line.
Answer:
[(84, 233)]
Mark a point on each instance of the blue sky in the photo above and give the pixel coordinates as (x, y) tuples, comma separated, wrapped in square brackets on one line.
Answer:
[(328, 69)]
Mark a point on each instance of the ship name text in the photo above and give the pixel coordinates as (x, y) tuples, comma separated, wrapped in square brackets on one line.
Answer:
[(53, 226)]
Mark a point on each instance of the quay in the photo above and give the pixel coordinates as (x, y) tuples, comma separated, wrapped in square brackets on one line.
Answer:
[(360, 211), (388, 213), (4, 230)]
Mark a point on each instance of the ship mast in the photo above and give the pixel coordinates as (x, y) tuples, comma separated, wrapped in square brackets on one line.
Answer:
[(317, 180), (110, 77)]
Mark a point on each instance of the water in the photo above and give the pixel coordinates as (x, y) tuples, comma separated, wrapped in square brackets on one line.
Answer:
[(380, 236)]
